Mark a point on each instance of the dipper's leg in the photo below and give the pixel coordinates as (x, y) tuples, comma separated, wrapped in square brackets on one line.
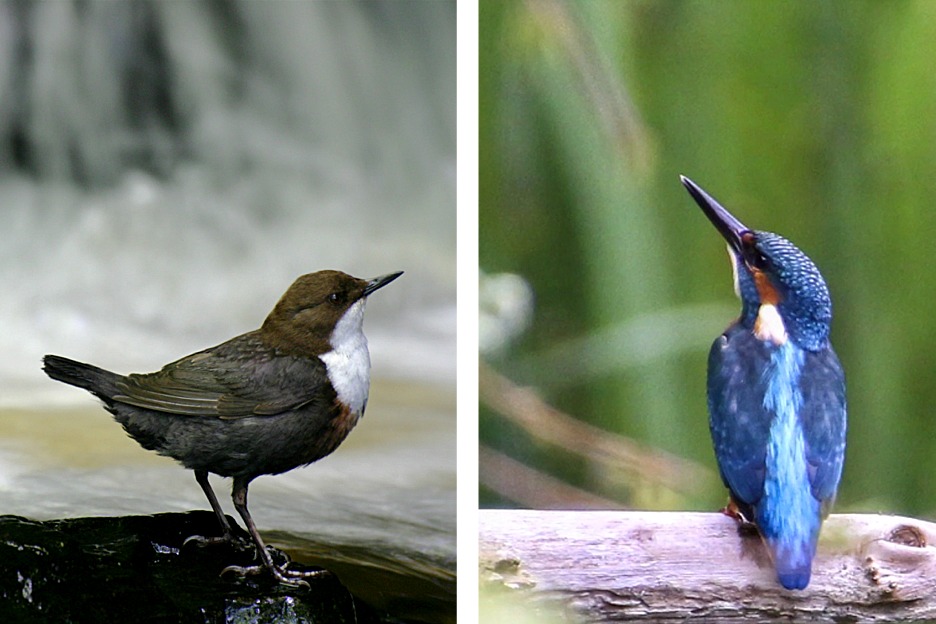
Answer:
[(202, 477), (282, 574)]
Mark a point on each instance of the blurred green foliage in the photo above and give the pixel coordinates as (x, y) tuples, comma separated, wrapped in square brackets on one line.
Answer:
[(813, 120)]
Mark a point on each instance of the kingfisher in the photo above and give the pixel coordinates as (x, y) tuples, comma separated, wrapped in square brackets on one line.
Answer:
[(776, 394)]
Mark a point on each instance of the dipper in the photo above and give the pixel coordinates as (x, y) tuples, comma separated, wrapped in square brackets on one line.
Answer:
[(265, 402)]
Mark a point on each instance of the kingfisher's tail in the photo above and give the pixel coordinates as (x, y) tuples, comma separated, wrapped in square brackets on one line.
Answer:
[(99, 382), (792, 541), (793, 562)]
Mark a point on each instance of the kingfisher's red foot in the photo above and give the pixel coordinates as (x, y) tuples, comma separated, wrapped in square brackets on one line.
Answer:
[(745, 525), (733, 511)]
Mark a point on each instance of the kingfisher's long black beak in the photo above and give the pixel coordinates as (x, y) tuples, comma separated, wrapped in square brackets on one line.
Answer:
[(729, 227), (380, 282)]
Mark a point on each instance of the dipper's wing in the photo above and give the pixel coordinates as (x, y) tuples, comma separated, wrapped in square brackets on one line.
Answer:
[(238, 378)]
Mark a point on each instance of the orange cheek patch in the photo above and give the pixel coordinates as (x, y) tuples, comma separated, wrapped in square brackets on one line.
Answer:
[(768, 326), (768, 294)]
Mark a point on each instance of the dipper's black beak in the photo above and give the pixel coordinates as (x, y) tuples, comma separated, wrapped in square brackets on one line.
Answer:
[(380, 282), (729, 227)]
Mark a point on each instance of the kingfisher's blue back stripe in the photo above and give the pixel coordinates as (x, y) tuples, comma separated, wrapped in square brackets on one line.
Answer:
[(788, 515)]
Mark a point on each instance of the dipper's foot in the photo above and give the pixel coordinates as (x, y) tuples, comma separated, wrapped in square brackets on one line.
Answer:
[(229, 539), (279, 571), (293, 578)]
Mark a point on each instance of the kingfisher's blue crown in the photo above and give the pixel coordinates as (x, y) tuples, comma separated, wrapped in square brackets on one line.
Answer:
[(805, 305)]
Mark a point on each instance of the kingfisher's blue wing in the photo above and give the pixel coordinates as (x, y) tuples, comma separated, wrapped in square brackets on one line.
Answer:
[(739, 423), (822, 417)]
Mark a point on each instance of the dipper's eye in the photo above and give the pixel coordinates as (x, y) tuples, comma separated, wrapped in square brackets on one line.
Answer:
[(336, 297)]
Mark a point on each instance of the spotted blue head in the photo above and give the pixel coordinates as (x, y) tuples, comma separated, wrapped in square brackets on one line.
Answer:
[(782, 292)]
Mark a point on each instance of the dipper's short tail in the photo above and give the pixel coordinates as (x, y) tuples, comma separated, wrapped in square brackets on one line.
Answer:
[(99, 382)]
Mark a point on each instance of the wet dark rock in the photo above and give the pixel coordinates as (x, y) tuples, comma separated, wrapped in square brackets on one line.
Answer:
[(135, 569)]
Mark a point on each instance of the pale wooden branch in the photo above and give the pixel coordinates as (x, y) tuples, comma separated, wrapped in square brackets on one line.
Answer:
[(612, 565)]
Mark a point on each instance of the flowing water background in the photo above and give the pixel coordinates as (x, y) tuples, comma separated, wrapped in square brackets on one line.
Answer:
[(166, 171)]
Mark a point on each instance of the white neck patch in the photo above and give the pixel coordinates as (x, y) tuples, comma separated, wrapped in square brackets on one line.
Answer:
[(348, 363), (734, 271), (769, 326)]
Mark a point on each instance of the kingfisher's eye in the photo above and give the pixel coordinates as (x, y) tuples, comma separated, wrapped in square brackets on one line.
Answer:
[(757, 260), (752, 255)]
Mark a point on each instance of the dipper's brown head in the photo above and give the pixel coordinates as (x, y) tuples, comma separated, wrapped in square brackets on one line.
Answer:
[(305, 319)]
